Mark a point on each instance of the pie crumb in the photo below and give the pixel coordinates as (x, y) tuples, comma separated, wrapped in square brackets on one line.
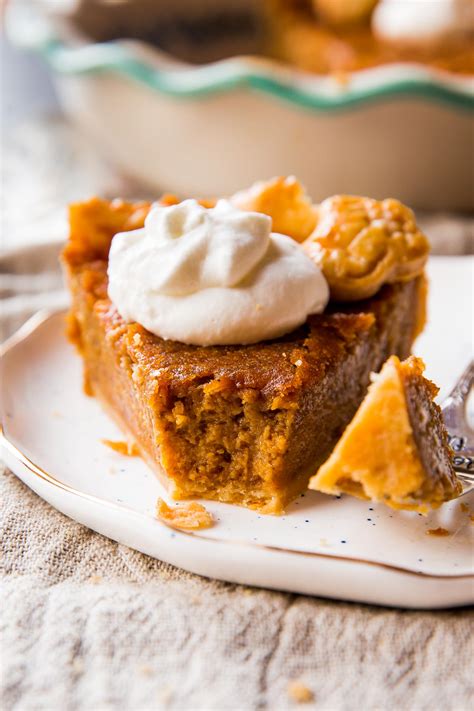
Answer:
[(165, 695), (77, 665), (186, 517), (146, 670), (465, 508), (95, 579), (299, 692), (437, 532), (128, 449)]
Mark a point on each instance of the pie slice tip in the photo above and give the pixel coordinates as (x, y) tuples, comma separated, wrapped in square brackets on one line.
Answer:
[(395, 449)]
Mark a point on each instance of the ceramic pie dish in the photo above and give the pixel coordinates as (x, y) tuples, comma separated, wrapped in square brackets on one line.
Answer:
[(399, 129)]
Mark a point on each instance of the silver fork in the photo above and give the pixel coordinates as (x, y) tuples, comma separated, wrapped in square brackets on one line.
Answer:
[(461, 433)]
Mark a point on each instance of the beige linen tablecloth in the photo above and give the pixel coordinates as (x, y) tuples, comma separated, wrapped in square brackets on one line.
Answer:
[(90, 624)]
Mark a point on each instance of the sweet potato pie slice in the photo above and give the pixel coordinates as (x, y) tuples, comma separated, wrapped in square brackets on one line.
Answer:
[(240, 424)]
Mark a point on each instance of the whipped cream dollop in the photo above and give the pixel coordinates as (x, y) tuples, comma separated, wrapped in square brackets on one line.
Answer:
[(213, 276), (421, 22)]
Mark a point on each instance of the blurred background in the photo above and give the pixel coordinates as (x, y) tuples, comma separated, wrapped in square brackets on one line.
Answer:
[(133, 98)]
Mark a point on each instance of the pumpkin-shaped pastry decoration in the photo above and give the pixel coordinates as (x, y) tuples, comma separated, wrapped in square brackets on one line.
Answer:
[(285, 201), (343, 12), (361, 244)]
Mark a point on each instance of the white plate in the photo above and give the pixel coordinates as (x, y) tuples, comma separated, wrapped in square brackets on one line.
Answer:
[(335, 547)]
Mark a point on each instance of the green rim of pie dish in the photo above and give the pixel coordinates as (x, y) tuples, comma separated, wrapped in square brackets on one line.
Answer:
[(191, 82)]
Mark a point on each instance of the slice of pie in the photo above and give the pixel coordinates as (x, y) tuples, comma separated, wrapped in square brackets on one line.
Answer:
[(241, 424), (396, 449)]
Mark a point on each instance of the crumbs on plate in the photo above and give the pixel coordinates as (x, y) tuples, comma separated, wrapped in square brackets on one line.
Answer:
[(129, 449), (186, 517), (438, 532)]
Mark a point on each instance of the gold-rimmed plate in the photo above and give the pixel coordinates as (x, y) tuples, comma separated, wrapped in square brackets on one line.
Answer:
[(335, 547)]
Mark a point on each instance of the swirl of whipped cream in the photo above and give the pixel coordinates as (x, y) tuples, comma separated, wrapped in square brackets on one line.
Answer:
[(213, 276), (422, 22)]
